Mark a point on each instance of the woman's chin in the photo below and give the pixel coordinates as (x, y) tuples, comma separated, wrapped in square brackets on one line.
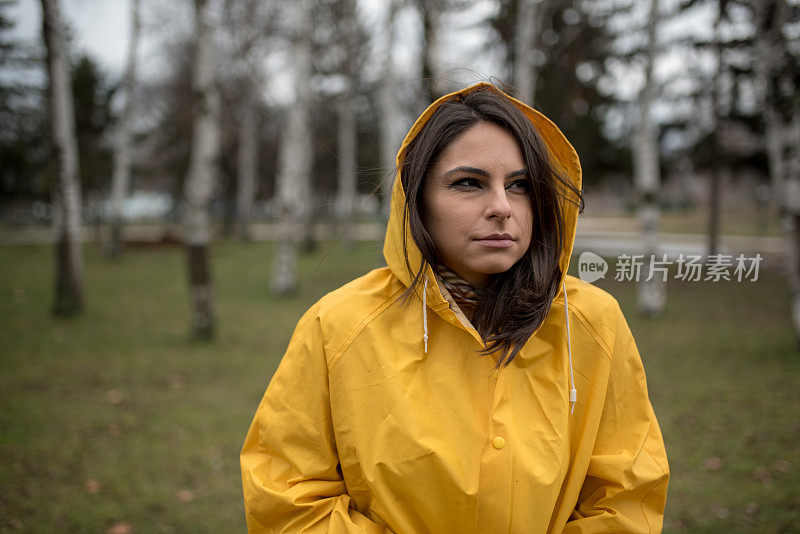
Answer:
[(493, 267)]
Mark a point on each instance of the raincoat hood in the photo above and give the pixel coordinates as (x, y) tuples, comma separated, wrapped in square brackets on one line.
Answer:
[(563, 157), (369, 425)]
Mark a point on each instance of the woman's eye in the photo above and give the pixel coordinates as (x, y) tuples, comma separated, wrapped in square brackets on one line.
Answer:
[(519, 184), (466, 183)]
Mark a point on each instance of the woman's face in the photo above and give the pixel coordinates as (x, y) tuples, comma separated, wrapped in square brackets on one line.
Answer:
[(476, 204)]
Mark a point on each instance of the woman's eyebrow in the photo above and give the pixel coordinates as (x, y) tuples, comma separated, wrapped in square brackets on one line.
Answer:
[(481, 172)]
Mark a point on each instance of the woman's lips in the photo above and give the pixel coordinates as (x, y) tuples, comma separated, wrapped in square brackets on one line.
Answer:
[(496, 241)]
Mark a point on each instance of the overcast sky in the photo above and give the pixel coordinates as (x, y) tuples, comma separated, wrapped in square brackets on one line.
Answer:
[(101, 29)]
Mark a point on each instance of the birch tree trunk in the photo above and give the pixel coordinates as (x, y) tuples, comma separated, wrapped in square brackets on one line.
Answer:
[(346, 194), (778, 92), (294, 161), (346, 164), (529, 25), (122, 153), (249, 25), (651, 294), (430, 12), (67, 196), (247, 161), (715, 191), (391, 135), (202, 174), (770, 16)]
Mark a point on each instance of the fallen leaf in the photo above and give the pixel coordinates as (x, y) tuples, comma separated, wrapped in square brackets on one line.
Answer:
[(763, 476), (215, 458), (184, 495), (114, 396), (719, 510), (751, 508), (92, 485), (177, 381), (712, 463), (120, 527), (782, 465)]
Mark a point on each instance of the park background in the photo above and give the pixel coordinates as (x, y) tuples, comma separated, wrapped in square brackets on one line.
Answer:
[(152, 152)]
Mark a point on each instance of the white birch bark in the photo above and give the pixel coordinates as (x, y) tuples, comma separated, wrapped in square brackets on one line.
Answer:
[(247, 161), (346, 193), (431, 12), (122, 154), (67, 197), (202, 173), (770, 55), (651, 294), (249, 25), (294, 161), (715, 189), (782, 135), (774, 148), (346, 145), (391, 135), (528, 27)]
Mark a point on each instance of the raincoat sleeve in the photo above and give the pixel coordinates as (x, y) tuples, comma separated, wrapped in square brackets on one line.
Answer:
[(625, 488), (291, 477)]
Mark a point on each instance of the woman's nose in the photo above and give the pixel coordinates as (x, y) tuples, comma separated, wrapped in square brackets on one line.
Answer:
[(499, 206)]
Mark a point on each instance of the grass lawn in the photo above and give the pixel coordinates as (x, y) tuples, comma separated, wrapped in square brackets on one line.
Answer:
[(116, 416), (723, 371)]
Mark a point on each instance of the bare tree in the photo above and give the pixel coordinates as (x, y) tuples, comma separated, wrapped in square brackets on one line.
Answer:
[(528, 27), (430, 12), (651, 293), (715, 190), (390, 111), (247, 159), (294, 159), (250, 26), (202, 173), (780, 100), (69, 259), (774, 84), (346, 191), (122, 154)]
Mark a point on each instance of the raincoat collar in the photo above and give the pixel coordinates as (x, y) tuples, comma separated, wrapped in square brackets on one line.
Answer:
[(563, 157)]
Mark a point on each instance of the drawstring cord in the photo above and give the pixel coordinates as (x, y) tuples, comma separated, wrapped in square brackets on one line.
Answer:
[(425, 313), (573, 393)]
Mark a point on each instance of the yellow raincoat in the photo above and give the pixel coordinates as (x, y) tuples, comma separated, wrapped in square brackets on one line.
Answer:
[(365, 429)]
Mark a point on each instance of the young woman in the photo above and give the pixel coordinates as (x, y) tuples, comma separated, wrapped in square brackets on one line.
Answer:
[(471, 386)]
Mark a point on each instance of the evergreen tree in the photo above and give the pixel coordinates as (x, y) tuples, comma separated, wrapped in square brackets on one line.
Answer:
[(23, 125), (569, 54), (93, 121)]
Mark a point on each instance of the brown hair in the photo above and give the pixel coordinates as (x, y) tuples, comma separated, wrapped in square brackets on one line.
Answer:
[(516, 301)]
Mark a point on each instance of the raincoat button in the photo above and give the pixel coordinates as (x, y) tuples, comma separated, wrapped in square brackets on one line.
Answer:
[(498, 442)]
